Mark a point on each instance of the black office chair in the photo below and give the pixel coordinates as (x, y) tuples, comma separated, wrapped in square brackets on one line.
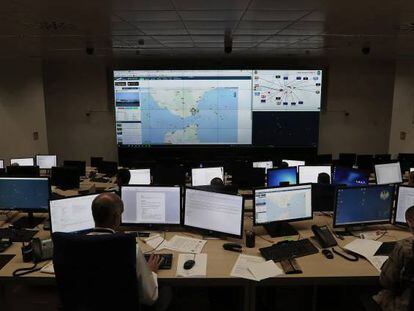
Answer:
[(96, 272)]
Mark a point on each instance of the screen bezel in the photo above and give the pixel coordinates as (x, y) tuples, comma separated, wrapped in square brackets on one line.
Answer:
[(350, 169), (46, 155), (397, 196), (25, 158), (279, 169), (30, 210), (72, 197), (203, 168), (395, 183), (336, 225), (156, 225), (330, 175), (255, 223), (111, 94), (209, 231)]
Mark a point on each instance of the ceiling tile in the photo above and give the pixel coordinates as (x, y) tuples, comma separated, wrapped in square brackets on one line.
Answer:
[(211, 4), (208, 38), (173, 38), (286, 5), (213, 15), (149, 16), (270, 25), (269, 15), (142, 5), (210, 25)]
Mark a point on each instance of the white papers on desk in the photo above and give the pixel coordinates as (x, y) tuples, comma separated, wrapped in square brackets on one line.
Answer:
[(156, 241), (48, 268), (241, 267), (265, 270), (377, 261), (365, 248), (198, 270), (183, 244)]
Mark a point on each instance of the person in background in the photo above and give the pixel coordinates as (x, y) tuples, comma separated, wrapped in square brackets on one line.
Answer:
[(397, 273), (283, 165), (123, 176), (107, 209), (324, 179)]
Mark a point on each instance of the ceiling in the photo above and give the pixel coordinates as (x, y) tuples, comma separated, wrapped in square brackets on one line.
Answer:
[(196, 28)]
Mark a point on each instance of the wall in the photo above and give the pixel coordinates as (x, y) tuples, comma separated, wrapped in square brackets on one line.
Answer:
[(364, 90), (80, 123), (403, 108), (21, 109)]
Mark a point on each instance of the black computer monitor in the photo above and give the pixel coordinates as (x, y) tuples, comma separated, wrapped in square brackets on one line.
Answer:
[(3, 172), (349, 177), (151, 205), (109, 168), (28, 195), (80, 165), (276, 176), (65, 177), (46, 162), (405, 199), (355, 206), (96, 161), (73, 214), (323, 159), (275, 207), (169, 175), (249, 178), (23, 171), (382, 158), (323, 197), (365, 162), (347, 159), (214, 213)]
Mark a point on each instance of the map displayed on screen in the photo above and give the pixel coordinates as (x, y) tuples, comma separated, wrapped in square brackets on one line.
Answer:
[(217, 107)]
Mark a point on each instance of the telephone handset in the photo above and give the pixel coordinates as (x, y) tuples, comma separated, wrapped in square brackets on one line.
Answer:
[(324, 236)]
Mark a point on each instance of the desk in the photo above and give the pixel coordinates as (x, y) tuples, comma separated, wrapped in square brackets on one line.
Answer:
[(317, 270)]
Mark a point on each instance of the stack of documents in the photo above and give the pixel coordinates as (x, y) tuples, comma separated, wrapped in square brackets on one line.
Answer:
[(367, 249), (177, 243), (255, 268)]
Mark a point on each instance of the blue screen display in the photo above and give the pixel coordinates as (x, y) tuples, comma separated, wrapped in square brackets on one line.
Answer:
[(361, 205), (349, 177), (24, 194), (276, 176)]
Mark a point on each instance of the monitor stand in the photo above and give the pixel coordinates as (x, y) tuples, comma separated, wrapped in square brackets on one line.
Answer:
[(280, 229), (28, 221)]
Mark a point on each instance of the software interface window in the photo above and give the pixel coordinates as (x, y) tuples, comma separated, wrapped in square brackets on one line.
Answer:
[(204, 176), (309, 174), (388, 173), (151, 205), (46, 161), (140, 177), (213, 211), (404, 201), (283, 204), (72, 214), (22, 161)]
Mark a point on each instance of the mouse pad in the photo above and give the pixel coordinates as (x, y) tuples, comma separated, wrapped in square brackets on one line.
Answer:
[(4, 260)]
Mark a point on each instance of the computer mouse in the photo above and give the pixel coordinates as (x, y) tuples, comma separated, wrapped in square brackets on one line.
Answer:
[(189, 264), (327, 253)]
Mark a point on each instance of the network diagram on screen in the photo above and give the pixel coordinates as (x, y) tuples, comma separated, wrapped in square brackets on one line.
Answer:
[(177, 107)]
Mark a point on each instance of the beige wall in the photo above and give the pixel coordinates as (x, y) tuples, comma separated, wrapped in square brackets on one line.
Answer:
[(403, 108), (21, 109), (364, 89), (72, 89)]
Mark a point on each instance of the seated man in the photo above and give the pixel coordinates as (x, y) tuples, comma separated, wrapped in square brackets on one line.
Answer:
[(324, 179), (397, 274), (123, 176), (107, 209)]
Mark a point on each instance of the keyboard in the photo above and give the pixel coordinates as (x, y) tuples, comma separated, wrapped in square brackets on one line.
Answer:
[(17, 235), (288, 249), (166, 263), (385, 249)]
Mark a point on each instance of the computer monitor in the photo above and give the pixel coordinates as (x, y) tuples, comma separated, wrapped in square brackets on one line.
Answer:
[(26, 195), (169, 175), (23, 171), (349, 177), (411, 169), (276, 176), (294, 163), (323, 197), (109, 168), (249, 177), (310, 173), (389, 173), (79, 165), (65, 177), (140, 177), (151, 205), (215, 213), (23, 161), (356, 206), (72, 214), (96, 161), (263, 164), (46, 162), (405, 199), (203, 176), (1, 164), (276, 206)]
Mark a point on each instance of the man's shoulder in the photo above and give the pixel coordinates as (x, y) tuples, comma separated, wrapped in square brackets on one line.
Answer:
[(406, 246)]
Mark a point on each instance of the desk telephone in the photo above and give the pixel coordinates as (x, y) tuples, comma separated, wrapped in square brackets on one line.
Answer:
[(324, 236)]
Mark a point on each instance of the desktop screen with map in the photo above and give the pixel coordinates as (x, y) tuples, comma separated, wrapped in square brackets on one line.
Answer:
[(217, 107)]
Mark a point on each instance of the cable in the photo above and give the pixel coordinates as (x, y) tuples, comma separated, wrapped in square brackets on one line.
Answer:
[(159, 244), (269, 241), (24, 271), (351, 257)]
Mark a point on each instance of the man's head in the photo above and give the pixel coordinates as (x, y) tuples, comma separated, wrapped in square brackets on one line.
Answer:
[(123, 176), (409, 218), (324, 178), (411, 179), (107, 209)]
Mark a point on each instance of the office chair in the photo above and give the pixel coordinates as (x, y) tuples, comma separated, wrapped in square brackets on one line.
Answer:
[(96, 272)]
